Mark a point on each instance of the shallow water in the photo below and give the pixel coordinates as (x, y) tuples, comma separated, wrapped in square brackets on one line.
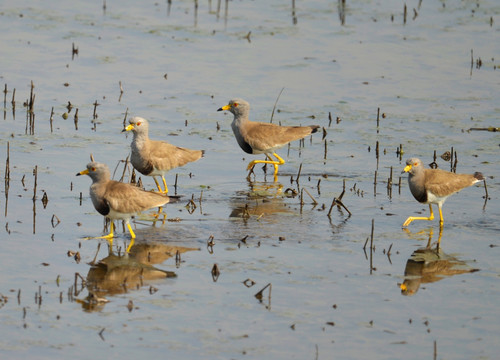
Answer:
[(177, 66)]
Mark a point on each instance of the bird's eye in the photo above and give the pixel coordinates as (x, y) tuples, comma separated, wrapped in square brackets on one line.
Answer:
[(235, 104), (138, 123), (415, 164), (92, 169)]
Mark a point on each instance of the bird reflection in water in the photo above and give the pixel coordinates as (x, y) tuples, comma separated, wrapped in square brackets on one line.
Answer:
[(118, 274), (428, 265), (260, 200)]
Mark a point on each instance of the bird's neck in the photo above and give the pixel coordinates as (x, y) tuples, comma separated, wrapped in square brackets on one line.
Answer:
[(240, 119), (140, 140)]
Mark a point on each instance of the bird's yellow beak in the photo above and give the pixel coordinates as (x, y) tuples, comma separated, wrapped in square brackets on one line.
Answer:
[(407, 168), (403, 287), (227, 107), (128, 128), (84, 172)]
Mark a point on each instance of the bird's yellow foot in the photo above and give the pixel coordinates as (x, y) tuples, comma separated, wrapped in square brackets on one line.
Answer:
[(430, 218)]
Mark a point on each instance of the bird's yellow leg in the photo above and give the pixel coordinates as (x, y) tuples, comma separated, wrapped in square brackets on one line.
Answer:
[(108, 237), (132, 241), (280, 162), (132, 234), (441, 220), (131, 231), (411, 218), (440, 235), (157, 184), (165, 184), (156, 215), (270, 160), (431, 233)]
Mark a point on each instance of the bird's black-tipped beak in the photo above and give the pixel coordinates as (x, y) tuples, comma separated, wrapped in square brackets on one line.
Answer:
[(226, 107), (219, 109), (83, 172)]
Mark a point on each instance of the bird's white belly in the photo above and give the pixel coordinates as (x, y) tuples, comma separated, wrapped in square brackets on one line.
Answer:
[(116, 215), (268, 150), (157, 172), (433, 199)]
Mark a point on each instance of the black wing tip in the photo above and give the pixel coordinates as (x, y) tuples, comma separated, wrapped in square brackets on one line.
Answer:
[(314, 128)]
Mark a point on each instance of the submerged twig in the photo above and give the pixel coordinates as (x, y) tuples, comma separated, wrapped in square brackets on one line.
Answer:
[(490, 128)]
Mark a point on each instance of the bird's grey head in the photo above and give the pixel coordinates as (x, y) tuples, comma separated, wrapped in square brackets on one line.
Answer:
[(237, 107), (412, 165), (96, 171), (138, 125)]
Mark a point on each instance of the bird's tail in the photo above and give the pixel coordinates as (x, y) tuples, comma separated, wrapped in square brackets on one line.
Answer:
[(479, 176)]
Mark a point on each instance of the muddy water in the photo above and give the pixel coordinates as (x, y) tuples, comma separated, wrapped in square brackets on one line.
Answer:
[(330, 293)]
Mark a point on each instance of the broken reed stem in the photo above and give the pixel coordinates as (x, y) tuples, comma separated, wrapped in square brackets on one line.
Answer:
[(378, 118), (32, 96), (371, 247), (471, 60), (51, 119), (121, 92), (451, 159), (312, 198), (125, 167), (298, 174), (276, 102), (76, 119), (7, 169), (96, 104), (341, 8), (125, 118), (7, 180), (339, 203), (400, 152), (35, 174), (329, 119), (389, 184), (259, 294), (366, 242), (331, 207), (13, 101)]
